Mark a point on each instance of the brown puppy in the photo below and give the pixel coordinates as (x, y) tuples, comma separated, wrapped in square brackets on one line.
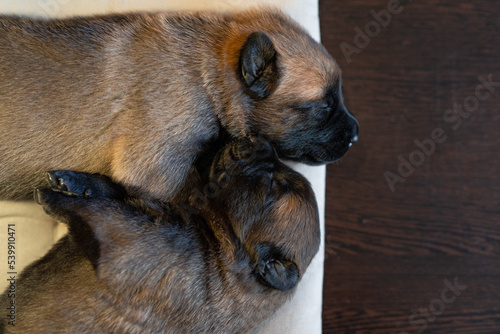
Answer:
[(137, 97), (136, 266)]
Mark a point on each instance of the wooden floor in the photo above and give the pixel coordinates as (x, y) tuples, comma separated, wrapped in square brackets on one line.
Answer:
[(413, 210)]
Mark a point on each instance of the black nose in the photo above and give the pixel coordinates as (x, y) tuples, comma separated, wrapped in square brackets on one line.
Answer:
[(352, 127), (355, 132)]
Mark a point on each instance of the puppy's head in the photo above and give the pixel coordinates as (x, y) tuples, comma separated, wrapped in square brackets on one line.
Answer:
[(271, 208), (293, 89)]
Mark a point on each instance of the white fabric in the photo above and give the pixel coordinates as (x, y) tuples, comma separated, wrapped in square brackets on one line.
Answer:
[(35, 232)]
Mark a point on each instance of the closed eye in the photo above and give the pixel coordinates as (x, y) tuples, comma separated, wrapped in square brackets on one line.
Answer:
[(311, 105), (320, 110)]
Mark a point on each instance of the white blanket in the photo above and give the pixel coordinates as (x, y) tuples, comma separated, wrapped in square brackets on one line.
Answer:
[(35, 232)]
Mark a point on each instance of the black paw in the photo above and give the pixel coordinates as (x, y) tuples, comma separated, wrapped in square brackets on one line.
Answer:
[(251, 149), (252, 156), (51, 201), (84, 185), (41, 196), (274, 271)]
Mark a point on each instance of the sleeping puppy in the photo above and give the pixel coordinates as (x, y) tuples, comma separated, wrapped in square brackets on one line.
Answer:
[(135, 265), (137, 97)]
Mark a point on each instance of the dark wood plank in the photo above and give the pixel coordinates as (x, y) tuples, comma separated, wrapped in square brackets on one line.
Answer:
[(388, 251)]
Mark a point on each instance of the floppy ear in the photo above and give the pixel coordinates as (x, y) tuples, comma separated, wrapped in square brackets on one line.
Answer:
[(258, 65), (275, 271)]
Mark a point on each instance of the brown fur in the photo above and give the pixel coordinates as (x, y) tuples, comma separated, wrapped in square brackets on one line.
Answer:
[(134, 265), (139, 96)]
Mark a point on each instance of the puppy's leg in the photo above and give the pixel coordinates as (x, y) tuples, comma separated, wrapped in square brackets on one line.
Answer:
[(274, 270), (81, 198), (66, 209), (78, 199), (85, 185)]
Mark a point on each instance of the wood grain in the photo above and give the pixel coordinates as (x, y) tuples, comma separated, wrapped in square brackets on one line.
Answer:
[(389, 252)]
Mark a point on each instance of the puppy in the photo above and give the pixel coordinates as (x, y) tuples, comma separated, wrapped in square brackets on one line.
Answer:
[(138, 96), (135, 265)]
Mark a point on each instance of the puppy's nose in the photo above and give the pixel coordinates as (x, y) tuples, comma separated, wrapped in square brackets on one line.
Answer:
[(354, 133)]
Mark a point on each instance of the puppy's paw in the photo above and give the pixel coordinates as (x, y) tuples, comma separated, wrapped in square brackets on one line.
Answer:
[(251, 156), (84, 185), (280, 275), (251, 149), (53, 202), (274, 271), (42, 196)]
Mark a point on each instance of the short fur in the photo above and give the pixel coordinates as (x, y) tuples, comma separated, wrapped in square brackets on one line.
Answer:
[(131, 265), (138, 96)]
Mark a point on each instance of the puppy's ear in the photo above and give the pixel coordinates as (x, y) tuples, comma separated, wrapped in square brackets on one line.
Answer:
[(273, 270), (258, 65)]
